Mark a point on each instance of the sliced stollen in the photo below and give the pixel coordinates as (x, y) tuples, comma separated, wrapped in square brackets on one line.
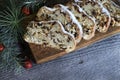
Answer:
[(63, 15), (50, 34), (96, 10), (114, 11), (88, 23)]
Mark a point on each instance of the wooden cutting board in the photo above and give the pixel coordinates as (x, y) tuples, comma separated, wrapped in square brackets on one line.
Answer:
[(44, 54)]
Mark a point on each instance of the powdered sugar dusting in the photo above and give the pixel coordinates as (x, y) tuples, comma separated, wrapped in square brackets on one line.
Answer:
[(77, 0), (60, 25), (104, 9), (73, 18), (80, 9), (64, 29)]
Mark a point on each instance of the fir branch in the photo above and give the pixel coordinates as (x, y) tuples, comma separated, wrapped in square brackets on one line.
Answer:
[(10, 32), (11, 18), (8, 56)]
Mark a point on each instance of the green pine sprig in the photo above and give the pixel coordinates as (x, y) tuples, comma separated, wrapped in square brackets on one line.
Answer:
[(8, 59), (10, 33), (11, 18)]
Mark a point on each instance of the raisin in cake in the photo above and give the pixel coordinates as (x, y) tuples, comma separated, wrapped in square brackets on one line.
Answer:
[(63, 15), (86, 21), (96, 10), (114, 11), (50, 34)]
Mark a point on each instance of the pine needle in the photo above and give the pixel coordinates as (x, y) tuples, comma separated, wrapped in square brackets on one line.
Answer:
[(10, 31)]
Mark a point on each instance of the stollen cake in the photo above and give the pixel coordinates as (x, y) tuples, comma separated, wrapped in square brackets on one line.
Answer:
[(88, 23), (50, 34), (96, 10), (114, 11), (63, 15)]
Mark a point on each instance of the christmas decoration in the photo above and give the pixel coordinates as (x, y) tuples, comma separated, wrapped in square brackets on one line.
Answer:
[(1, 47), (12, 30), (28, 64), (33, 5), (26, 10)]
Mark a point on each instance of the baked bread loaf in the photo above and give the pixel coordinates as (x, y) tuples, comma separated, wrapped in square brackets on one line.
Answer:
[(88, 23), (96, 10), (50, 34), (114, 11), (62, 14)]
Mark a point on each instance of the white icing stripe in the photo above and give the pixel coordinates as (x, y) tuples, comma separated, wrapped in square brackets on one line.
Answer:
[(50, 9), (60, 25), (87, 37), (93, 18), (80, 9), (64, 30), (104, 9), (77, 1), (73, 18), (69, 46)]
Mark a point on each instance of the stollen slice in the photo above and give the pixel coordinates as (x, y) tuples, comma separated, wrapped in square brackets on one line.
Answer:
[(50, 34), (96, 10), (114, 11), (63, 15), (87, 22)]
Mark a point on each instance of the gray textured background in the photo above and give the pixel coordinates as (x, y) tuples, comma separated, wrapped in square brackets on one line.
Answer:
[(100, 61)]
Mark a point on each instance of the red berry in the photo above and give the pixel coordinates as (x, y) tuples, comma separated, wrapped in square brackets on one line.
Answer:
[(26, 10), (28, 64), (1, 47)]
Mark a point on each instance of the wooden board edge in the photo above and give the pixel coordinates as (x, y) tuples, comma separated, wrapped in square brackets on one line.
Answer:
[(110, 33), (50, 57)]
